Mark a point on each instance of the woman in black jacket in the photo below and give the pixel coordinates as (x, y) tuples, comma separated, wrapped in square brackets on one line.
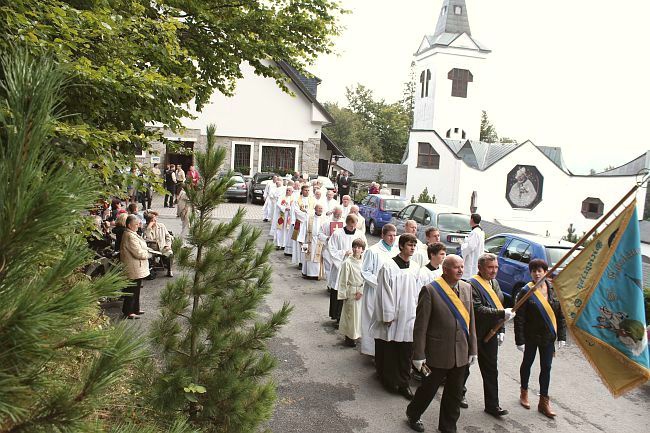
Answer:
[(538, 323)]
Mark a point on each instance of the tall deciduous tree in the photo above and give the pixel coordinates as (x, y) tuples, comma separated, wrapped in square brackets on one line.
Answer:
[(212, 342), (55, 367), (136, 62)]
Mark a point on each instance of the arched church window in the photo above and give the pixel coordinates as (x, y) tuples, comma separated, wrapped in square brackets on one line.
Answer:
[(425, 78), (459, 79), (448, 133), (464, 135), (458, 10)]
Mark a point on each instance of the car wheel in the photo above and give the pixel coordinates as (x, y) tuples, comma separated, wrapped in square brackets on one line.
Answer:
[(373, 228)]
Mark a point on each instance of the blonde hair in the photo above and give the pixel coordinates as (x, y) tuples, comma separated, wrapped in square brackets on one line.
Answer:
[(120, 221)]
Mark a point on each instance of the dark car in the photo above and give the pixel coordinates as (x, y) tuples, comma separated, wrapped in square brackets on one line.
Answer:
[(452, 223), (515, 251), (259, 182), (379, 209), (239, 189)]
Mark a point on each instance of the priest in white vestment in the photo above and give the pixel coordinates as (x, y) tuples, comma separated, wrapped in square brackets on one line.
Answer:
[(373, 259), (303, 206), (346, 205), (473, 247), (339, 248), (350, 292), (267, 210), (284, 218), (394, 317), (319, 197), (330, 203), (361, 221), (314, 243), (274, 195), (329, 226)]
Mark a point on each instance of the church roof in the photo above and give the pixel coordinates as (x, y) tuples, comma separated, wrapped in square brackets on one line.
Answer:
[(306, 85), (368, 171), (452, 23), (630, 169)]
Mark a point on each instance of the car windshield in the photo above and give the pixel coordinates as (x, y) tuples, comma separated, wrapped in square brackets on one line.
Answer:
[(554, 254), (453, 222), (237, 179), (393, 204)]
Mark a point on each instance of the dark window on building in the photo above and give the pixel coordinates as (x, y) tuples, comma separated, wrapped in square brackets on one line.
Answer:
[(278, 159), (592, 208), (464, 134), (449, 133), (459, 79), (394, 191), (425, 78), (323, 165), (426, 91), (242, 159), (455, 130), (427, 156), (422, 75)]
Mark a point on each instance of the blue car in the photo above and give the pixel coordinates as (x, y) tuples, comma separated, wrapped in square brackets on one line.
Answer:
[(515, 251), (379, 209)]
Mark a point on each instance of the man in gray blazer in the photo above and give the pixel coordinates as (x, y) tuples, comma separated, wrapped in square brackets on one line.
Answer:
[(444, 340)]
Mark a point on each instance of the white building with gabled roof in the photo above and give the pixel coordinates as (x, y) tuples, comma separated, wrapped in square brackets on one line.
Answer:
[(525, 186)]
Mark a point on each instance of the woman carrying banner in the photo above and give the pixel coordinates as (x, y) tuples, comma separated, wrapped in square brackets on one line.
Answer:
[(538, 323)]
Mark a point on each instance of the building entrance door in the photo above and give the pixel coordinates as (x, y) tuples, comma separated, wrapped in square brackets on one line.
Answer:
[(182, 153)]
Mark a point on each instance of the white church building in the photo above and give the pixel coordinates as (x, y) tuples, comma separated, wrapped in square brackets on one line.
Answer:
[(525, 186)]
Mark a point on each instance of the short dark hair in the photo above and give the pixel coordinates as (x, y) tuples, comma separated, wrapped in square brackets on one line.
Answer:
[(435, 248), (476, 218), (130, 219), (388, 228), (430, 230), (537, 264), (359, 243), (407, 238), (133, 208)]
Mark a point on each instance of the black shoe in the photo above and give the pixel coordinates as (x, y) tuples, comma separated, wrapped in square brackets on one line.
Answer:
[(300, 266), (463, 403), (349, 342), (496, 412), (405, 392), (266, 220), (415, 424)]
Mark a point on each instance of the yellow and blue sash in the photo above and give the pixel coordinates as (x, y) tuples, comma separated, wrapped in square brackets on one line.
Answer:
[(545, 309), (454, 303), (486, 289)]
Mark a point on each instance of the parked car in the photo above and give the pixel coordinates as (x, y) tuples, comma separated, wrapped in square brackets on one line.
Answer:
[(452, 223), (257, 185), (239, 190), (379, 209), (515, 251)]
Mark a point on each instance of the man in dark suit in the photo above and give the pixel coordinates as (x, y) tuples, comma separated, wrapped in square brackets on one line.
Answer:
[(488, 310), (343, 184), (444, 342)]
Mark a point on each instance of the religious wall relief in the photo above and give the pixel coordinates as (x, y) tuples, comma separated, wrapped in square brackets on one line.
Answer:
[(524, 187)]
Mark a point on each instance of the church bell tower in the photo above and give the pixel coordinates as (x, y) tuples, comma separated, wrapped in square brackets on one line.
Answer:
[(448, 76)]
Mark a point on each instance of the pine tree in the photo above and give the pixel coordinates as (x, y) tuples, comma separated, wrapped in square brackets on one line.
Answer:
[(210, 338), (54, 367), (425, 197)]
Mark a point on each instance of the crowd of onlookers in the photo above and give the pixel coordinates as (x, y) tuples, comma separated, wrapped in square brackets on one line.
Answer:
[(128, 231)]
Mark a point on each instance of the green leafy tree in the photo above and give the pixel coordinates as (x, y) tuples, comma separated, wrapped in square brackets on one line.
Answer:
[(356, 138), (211, 340), (133, 63), (488, 131), (56, 365)]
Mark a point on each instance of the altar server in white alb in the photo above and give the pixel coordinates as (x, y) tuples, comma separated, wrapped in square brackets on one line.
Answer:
[(267, 210), (330, 203), (350, 292), (314, 243), (394, 316), (420, 256), (373, 259), (339, 248), (274, 195), (432, 270), (318, 196), (473, 247), (329, 226), (284, 218)]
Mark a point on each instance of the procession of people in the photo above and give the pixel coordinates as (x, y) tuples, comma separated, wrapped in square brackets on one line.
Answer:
[(419, 312)]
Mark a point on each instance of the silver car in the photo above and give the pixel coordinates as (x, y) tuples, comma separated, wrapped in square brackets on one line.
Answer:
[(239, 189), (452, 223)]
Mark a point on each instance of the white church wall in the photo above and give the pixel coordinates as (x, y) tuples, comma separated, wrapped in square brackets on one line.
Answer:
[(562, 194), (443, 182), (259, 109)]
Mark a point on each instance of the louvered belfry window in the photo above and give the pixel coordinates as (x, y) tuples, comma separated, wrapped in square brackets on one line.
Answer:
[(427, 156), (459, 79)]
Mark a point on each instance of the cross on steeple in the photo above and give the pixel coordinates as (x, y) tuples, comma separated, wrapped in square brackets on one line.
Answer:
[(453, 18)]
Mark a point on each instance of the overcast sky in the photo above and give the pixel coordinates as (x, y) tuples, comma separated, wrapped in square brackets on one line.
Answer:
[(568, 73)]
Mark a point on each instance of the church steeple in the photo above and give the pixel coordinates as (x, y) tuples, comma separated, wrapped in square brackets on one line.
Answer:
[(453, 18)]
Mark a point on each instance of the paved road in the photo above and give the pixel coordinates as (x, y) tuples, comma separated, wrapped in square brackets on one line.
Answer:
[(325, 387)]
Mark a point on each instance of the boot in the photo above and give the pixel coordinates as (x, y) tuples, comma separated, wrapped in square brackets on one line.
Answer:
[(544, 407), (523, 398)]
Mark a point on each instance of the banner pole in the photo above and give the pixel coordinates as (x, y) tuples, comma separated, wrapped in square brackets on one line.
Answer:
[(564, 258)]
